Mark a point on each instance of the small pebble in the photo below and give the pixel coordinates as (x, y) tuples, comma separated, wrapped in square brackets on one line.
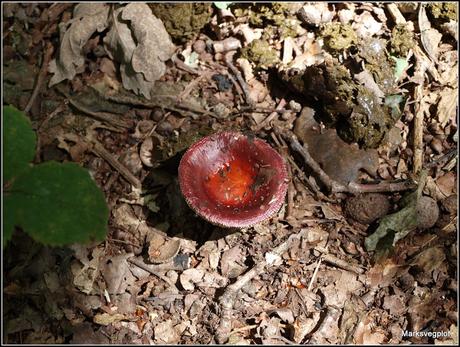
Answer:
[(295, 106)]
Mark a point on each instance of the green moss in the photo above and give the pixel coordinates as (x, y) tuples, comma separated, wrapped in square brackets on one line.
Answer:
[(183, 20), (260, 53), (402, 40), (368, 123), (175, 145), (443, 10), (279, 17), (355, 111), (338, 36)]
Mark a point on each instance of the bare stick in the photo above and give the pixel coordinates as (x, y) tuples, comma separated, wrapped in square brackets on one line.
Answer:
[(244, 86), (41, 75), (181, 65), (418, 130), (333, 260), (315, 273), (420, 66), (396, 14), (106, 117), (153, 272), (334, 186), (227, 299), (99, 149)]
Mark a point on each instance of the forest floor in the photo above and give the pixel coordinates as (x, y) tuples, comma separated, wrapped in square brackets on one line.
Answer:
[(343, 261)]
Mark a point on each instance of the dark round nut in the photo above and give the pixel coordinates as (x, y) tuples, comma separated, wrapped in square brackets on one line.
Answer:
[(157, 114), (367, 208), (427, 212)]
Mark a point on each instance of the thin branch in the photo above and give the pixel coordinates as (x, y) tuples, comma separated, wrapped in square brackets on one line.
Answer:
[(106, 117), (41, 75), (334, 186), (154, 272), (227, 300), (239, 77)]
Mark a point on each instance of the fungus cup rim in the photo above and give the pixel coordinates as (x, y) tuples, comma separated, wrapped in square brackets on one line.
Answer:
[(277, 196)]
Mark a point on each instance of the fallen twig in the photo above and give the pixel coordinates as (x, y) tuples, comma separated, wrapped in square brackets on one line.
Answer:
[(188, 89), (227, 299), (315, 273), (97, 148), (418, 119), (271, 116), (333, 260), (239, 77), (154, 272), (334, 186), (181, 65), (106, 117), (48, 52), (168, 102), (100, 150)]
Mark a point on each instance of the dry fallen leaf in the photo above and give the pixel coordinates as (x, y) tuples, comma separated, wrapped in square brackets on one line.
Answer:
[(141, 47), (447, 105), (165, 333), (87, 19), (85, 274), (106, 319), (340, 160), (117, 274), (191, 276), (430, 37)]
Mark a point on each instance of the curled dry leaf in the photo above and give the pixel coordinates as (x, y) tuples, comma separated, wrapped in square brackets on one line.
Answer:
[(447, 105), (162, 248), (87, 19), (140, 42), (117, 274), (231, 262), (85, 274), (191, 276), (430, 37), (165, 333)]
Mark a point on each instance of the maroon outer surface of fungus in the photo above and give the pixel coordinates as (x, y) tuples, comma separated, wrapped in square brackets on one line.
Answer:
[(233, 180)]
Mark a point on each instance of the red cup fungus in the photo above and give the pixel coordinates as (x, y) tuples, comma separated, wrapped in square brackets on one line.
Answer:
[(233, 180)]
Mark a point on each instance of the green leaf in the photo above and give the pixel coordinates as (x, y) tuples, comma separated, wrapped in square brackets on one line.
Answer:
[(400, 223), (19, 142), (59, 204), (401, 66), (222, 5)]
